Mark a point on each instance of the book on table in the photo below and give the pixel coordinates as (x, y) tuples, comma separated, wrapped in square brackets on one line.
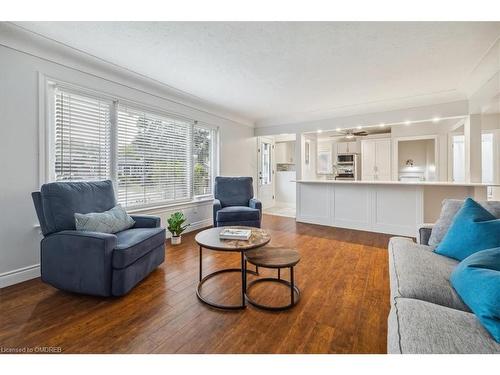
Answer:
[(235, 234)]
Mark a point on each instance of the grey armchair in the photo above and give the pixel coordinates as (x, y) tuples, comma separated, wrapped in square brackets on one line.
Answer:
[(234, 203), (93, 263)]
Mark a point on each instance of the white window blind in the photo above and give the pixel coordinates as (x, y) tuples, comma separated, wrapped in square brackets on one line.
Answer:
[(153, 158), (203, 140), (81, 137)]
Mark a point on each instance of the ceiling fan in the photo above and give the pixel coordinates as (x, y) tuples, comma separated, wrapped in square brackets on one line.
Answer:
[(350, 133)]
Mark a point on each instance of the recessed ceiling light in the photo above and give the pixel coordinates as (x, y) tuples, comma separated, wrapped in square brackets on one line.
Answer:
[(436, 119)]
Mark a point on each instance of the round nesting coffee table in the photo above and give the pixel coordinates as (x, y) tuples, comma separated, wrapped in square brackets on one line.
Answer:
[(209, 239), (278, 258)]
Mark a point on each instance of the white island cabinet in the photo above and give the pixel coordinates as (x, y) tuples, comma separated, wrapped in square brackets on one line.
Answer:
[(391, 207)]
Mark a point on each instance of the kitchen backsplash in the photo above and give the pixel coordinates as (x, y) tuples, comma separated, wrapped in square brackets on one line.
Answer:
[(285, 167)]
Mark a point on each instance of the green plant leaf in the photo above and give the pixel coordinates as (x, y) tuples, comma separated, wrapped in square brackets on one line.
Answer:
[(175, 223)]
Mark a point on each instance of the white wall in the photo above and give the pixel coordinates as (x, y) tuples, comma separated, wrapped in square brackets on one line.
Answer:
[(308, 172), (19, 149), (422, 154)]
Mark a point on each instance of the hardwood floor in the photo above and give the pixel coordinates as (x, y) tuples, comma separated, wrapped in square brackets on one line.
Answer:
[(343, 277)]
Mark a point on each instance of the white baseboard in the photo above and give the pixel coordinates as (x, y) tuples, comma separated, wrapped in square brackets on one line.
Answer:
[(19, 275), (196, 225), (31, 272)]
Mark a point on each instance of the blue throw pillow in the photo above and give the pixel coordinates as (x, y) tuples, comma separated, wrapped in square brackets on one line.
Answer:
[(473, 229), (477, 281)]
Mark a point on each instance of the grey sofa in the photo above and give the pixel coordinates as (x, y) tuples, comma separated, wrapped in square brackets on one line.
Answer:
[(234, 203), (93, 263), (427, 315)]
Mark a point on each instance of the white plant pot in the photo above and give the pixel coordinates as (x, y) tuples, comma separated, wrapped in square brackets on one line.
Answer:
[(175, 240)]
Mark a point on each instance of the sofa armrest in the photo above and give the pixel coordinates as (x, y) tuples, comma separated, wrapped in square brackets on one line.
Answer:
[(78, 261), (217, 205), (255, 203), (146, 221), (425, 233)]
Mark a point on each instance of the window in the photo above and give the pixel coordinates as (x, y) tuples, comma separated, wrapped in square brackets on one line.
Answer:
[(266, 164), (202, 160), (81, 137), (153, 158), (487, 157), (458, 158)]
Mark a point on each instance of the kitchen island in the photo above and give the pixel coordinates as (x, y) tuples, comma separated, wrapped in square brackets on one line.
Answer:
[(392, 207)]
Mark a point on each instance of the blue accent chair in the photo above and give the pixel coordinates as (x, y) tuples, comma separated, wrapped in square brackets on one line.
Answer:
[(234, 203), (99, 264)]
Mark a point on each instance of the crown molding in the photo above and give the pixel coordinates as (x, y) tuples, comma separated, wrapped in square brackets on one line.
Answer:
[(22, 40), (483, 72)]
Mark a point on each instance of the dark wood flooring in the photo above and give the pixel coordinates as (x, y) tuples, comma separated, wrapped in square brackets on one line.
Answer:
[(343, 277)]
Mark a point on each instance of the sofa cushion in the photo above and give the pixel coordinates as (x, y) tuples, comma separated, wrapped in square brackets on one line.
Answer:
[(111, 221), (417, 272), (61, 200), (448, 211), (420, 327), (124, 279), (238, 213), (477, 281), (132, 244), (473, 229)]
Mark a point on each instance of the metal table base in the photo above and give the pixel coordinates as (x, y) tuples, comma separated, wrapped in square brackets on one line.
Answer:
[(241, 270)]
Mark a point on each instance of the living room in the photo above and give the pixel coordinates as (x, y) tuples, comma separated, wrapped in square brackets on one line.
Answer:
[(267, 187)]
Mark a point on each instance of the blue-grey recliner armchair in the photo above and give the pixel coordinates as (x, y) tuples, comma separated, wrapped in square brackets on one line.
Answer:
[(93, 263), (234, 203)]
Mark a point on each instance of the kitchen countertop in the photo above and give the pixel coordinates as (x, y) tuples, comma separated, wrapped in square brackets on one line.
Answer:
[(424, 183)]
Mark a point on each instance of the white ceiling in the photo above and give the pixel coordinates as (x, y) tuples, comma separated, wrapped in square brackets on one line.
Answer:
[(269, 72)]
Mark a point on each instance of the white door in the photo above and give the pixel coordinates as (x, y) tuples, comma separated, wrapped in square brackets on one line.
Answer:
[(265, 154), (383, 159)]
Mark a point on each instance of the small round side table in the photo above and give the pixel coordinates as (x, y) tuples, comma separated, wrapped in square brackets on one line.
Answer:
[(209, 239), (277, 258)]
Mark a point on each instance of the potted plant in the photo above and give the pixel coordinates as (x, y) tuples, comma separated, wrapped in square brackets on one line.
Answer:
[(176, 226)]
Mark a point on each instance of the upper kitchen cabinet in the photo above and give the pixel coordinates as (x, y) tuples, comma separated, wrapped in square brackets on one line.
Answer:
[(284, 153), (376, 159), (348, 147)]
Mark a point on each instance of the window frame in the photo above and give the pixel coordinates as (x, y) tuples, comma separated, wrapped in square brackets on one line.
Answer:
[(47, 88), (213, 159)]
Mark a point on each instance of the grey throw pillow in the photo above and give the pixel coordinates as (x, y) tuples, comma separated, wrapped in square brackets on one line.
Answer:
[(449, 209), (112, 221)]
